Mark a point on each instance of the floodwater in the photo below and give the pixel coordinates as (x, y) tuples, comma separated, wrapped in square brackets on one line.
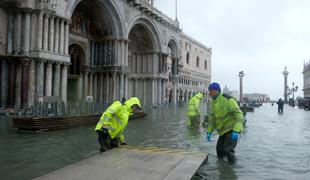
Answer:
[(273, 146)]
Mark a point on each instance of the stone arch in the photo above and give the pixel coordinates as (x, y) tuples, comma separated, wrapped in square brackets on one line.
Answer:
[(108, 11), (77, 60), (173, 46), (144, 62), (150, 29)]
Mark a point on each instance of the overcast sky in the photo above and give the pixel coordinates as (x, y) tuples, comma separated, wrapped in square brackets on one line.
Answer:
[(260, 37)]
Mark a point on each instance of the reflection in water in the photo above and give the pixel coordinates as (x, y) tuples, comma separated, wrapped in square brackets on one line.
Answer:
[(273, 147)]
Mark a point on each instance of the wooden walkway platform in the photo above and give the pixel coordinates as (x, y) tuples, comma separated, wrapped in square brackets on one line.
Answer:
[(133, 163), (59, 122)]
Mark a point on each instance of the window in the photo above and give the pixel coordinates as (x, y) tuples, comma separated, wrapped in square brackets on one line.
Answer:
[(206, 64), (187, 57), (197, 61)]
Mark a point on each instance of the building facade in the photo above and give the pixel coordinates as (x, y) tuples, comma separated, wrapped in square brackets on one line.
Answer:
[(96, 49), (306, 76)]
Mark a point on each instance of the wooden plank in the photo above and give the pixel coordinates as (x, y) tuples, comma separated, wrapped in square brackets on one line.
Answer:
[(133, 163)]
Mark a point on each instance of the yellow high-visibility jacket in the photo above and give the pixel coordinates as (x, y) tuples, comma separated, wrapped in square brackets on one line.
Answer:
[(193, 105), (115, 118), (225, 115)]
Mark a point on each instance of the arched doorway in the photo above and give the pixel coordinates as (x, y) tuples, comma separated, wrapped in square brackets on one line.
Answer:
[(97, 28), (77, 57), (144, 63)]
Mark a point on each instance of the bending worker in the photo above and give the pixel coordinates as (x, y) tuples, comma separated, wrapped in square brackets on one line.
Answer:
[(113, 121), (226, 117), (193, 110)]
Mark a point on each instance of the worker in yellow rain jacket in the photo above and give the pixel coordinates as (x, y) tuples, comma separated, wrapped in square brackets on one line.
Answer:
[(193, 110), (225, 117), (113, 121)]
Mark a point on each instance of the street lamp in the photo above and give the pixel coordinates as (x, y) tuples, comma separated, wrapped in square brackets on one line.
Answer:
[(292, 90), (241, 74)]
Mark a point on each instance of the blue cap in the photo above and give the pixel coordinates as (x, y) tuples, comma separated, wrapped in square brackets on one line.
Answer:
[(215, 86)]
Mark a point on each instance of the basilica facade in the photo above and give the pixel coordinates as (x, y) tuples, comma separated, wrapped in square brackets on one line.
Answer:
[(96, 50)]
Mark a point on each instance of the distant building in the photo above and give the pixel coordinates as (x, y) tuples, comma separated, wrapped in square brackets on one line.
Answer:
[(233, 93), (256, 97), (306, 74)]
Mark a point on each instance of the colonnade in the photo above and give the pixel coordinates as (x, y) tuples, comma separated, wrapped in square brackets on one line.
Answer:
[(148, 76), (110, 52), (29, 78), (103, 86), (30, 31), (34, 39), (150, 62)]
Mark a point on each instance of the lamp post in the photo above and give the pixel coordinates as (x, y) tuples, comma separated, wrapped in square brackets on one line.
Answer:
[(291, 91), (241, 74)]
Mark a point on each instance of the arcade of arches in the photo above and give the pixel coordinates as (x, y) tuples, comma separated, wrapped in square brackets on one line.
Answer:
[(95, 50)]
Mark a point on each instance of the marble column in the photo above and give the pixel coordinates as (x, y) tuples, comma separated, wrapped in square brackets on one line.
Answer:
[(92, 59), (40, 78), (114, 84), (66, 38), (48, 79), (51, 34), (91, 84), (64, 72), (95, 87), (107, 86), (163, 82), (174, 92), (26, 34), (80, 88), (34, 31), (18, 80), (24, 83), (45, 32), (86, 84), (136, 88), (10, 30), (101, 86), (115, 52), (56, 40), (134, 63), (40, 31), (145, 93), (126, 53), (11, 91), (122, 53), (159, 92), (122, 85), (18, 33), (126, 89), (56, 83), (31, 82), (62, 36)]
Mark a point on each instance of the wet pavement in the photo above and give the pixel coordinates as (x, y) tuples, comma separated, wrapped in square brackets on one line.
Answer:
[(273, 146)]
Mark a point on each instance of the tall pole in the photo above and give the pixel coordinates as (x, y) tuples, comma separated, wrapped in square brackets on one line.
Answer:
[(285, 74), (241, 74), (176, 10), (293, 89)]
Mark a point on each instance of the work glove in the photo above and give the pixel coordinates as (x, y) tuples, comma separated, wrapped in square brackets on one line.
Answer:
[(234, 136), (209, 137)]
